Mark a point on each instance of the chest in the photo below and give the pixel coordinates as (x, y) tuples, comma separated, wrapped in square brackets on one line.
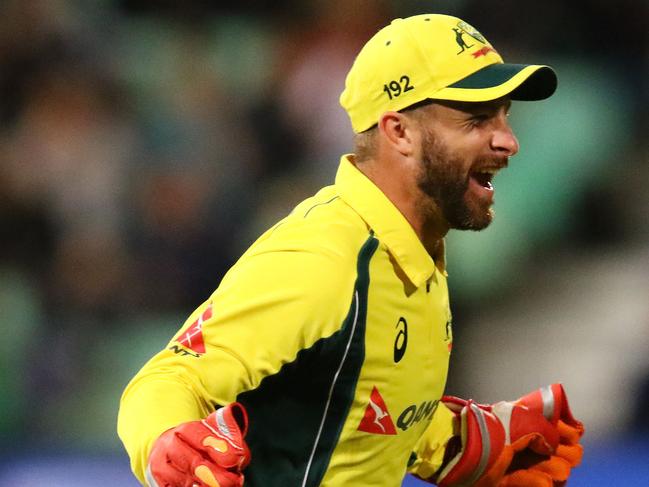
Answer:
[(407, 348)]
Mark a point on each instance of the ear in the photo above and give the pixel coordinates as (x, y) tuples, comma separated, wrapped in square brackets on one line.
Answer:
[(399, 131)]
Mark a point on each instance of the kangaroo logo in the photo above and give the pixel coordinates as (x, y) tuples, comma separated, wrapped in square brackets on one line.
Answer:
[(460, 40), (379, 414), (464, 28)]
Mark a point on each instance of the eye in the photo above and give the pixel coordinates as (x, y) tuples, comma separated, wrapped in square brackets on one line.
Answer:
[(479, 119)]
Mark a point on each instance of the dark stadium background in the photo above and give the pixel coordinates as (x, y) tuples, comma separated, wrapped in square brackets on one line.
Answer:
[(144, 144)]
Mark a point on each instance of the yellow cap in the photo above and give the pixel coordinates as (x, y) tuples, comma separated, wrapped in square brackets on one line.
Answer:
[(434, 56)]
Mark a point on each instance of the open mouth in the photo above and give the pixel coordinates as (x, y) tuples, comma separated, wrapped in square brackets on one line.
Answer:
[(484, 177)]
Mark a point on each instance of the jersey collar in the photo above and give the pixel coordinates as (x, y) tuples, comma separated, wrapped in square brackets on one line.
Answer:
[(389, 225)]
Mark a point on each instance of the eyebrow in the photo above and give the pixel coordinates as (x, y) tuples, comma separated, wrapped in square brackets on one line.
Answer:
[(502, 102)]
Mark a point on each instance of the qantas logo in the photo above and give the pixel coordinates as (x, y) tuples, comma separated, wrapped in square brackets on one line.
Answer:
[(193, 337), (414, 414), (377, 419)]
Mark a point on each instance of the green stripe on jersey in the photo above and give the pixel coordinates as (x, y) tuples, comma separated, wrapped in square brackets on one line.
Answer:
[(296, 415)]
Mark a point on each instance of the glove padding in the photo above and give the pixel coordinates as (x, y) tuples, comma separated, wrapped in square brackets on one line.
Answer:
[(206, 453), (528, 469), (531, 442)]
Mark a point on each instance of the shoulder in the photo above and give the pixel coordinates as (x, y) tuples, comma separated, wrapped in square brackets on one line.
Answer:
[(316, 247), (322, 224)]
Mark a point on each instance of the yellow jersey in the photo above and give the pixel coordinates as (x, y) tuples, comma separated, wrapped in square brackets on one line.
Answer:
[(334, 331)]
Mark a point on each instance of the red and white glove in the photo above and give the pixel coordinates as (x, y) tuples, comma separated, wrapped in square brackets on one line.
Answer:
[(527, 467), (530, 442), (206, 453)]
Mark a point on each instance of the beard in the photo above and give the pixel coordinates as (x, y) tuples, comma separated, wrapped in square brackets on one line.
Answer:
[(444, 180)]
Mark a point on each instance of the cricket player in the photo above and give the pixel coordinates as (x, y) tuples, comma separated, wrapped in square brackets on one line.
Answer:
[(322, 357)]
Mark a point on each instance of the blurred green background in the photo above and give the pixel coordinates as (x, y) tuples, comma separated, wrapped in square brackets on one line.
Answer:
[(144, 144)]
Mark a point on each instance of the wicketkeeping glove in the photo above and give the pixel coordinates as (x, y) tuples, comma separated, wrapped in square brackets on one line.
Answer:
[(531, 442), (206, 453), (555, 470)]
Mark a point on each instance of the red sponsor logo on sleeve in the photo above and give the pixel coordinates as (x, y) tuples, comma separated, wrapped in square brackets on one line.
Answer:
[(192, 338)]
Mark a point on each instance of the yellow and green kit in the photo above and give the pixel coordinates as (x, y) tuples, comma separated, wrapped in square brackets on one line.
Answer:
[(334, 331)]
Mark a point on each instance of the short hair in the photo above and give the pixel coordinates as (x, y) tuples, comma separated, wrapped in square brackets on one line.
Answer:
[(365, 144), (419, 109)]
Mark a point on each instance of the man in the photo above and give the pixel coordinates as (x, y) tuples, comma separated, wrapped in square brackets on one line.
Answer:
[(321, 359)]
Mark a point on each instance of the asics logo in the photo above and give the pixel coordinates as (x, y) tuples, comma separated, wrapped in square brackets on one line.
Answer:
[(401, 340)]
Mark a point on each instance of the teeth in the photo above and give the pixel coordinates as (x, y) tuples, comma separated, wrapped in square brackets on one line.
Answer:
[(489, 171)]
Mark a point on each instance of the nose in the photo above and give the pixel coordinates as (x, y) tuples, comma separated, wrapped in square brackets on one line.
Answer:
[(503, 140)]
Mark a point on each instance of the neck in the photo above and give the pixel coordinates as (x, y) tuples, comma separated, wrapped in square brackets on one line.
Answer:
[(432, 230), (401, 189)]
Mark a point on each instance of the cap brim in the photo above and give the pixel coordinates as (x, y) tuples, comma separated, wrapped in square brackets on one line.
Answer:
[(519, 81)]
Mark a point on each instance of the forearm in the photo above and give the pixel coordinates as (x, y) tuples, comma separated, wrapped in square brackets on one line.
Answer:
[(151, 405)]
